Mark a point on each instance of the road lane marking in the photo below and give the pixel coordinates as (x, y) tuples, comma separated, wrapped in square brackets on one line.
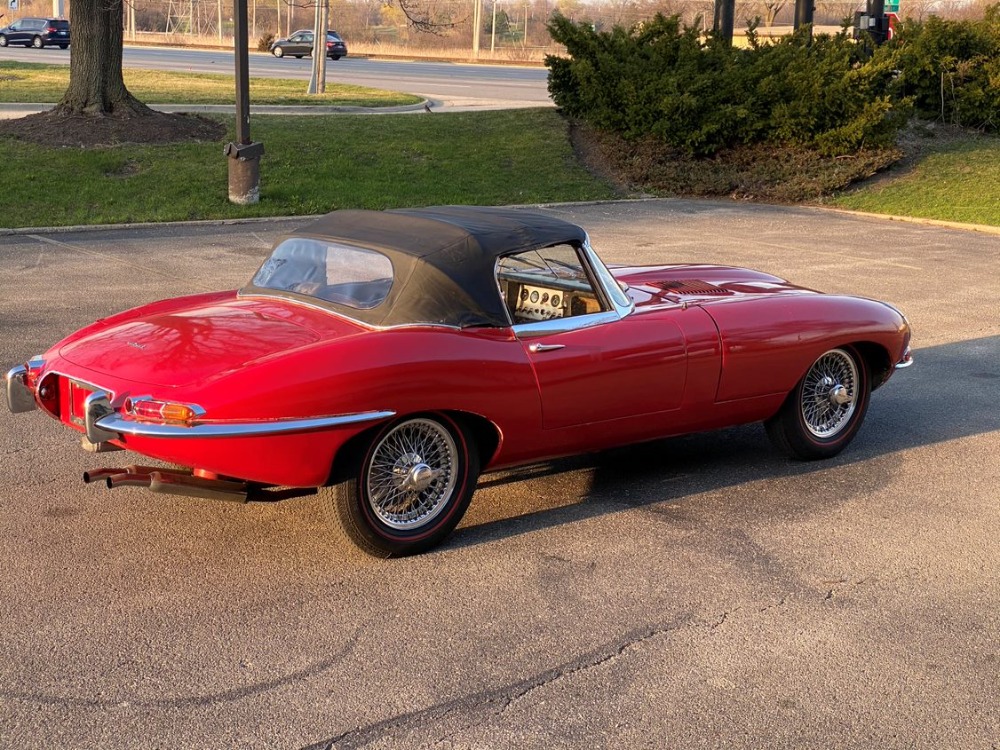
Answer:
[(839, 254), (114, 259)]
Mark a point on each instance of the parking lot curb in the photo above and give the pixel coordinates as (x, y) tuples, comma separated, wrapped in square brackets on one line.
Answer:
[(11, 231), (984, 228), (21, 109)]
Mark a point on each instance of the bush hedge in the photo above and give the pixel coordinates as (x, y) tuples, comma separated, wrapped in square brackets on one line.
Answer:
[(950, 69), (662, 79)]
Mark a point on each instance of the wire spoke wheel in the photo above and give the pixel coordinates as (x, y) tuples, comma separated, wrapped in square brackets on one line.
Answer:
[(824, 411), (406, 486), (829, 394), (411, 474)]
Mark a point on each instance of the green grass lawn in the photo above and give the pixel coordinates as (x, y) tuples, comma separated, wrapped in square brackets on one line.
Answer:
[(316, 164), (311, 165), (37, 83), (954, 179)]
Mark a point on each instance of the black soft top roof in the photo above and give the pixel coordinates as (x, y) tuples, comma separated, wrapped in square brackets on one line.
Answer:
[(443, 258)]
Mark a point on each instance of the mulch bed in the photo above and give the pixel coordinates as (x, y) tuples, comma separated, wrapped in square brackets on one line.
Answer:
[(767, 173), (56, 129)]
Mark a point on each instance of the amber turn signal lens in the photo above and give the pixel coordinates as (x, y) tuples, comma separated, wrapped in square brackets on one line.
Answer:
[(177, 413), (161, 411)]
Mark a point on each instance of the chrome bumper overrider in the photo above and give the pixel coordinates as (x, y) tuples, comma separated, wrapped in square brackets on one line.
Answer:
[(906, 360), (19, 396), (102, 423)]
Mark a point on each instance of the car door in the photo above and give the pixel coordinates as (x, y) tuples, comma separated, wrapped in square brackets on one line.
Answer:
[(32, 29), (16, 34), (592, 363), (304, 43)]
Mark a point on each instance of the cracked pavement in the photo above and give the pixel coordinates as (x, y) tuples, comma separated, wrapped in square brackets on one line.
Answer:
[(701, 592)]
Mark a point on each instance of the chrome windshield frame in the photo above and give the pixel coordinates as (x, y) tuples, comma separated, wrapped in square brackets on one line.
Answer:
[(620, 301), (606, 287)]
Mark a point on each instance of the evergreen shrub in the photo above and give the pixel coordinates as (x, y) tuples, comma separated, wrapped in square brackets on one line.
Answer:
[(951, 69), (661, 79)]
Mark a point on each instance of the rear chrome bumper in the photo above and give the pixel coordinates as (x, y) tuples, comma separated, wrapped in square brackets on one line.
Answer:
[(19, 395), (102, 422)]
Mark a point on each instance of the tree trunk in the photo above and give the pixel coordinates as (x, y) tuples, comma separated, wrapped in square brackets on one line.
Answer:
[(96, 86)]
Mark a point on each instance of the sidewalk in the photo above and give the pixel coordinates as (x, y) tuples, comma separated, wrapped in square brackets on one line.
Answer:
[(13, 110)]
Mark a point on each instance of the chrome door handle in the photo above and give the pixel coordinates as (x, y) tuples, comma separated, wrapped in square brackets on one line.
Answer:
[(536, 348)]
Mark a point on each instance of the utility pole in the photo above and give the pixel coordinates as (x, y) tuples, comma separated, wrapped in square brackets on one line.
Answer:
[(244, 155), (317, 81), (804, 14), (725, 12), (493, 28), (477, 22)]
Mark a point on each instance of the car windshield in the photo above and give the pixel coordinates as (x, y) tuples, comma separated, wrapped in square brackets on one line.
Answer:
[(331, 271)]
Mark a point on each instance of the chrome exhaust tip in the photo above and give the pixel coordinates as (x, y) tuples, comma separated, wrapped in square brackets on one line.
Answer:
[(170, 481), (127, 479)]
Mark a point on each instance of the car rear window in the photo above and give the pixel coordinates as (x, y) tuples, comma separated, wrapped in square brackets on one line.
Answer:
[(60, 25), (356, 277)]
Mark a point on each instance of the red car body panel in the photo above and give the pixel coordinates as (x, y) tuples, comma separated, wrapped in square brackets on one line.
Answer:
[(704, 347)]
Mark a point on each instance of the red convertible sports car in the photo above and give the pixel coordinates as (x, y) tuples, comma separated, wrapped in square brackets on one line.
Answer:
[(387, 358)]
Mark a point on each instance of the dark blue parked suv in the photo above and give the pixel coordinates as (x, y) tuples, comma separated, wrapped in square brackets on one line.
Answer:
[(36, 32)]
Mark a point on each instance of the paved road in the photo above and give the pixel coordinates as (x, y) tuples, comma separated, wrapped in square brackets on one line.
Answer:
[(702, 592), (436, 81)]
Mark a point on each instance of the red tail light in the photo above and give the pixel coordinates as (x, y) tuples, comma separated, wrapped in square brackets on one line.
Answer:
[(51, 30), (165, 412)]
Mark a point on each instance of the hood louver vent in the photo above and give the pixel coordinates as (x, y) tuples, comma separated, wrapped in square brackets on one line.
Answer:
[(690, 286)]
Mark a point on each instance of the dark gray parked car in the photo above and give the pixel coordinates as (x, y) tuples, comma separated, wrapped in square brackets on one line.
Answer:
[(36, 32), (300, 44)]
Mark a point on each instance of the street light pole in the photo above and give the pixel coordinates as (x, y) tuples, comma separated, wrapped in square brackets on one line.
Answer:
[(317, 80), (725, 11), (477, 22), (244, 155)]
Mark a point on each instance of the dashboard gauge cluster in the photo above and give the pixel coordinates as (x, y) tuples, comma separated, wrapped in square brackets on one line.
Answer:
[(539, 303)]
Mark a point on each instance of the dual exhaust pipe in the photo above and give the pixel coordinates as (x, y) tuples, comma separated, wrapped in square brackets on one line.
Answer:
[(170, 481)]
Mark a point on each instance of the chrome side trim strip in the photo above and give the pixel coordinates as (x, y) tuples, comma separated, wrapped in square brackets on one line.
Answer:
[(18, 395), (563, 325), (118, 424)]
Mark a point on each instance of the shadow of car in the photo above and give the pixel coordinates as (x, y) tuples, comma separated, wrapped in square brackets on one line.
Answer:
[(37, 33), (300, 44)]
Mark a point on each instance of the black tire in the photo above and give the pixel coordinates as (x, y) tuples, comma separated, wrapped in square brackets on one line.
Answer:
[(278, 52), (63, 46), (335, 57), (825, 410), (410, 488), (37, 42), (3, 41)]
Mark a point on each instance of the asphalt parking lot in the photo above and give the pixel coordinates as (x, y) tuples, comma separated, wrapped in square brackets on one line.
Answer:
[(701, 592)]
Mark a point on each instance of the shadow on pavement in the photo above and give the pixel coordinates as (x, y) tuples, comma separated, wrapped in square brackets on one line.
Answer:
[(951, 392)]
